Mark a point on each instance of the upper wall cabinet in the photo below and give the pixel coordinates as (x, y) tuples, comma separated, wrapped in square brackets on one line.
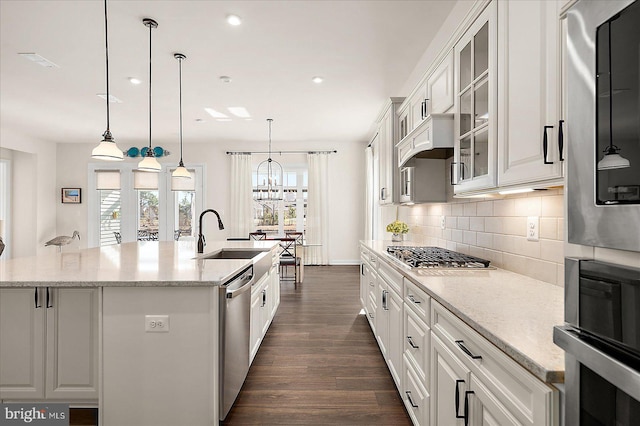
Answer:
[(440, 87), (530, 148), (387, 134), (476, 104)]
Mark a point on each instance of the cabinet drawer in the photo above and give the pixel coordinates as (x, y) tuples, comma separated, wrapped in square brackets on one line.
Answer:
[(417, 300), (415, 396), (417, 341), (526, 397), (371, 310), (392, 277)]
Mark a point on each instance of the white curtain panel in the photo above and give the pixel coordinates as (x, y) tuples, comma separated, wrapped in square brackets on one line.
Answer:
[(240, 218), (368, 201), (317, 251)]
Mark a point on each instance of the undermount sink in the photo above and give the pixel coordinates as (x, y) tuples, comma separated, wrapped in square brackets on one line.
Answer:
[(233, 254)]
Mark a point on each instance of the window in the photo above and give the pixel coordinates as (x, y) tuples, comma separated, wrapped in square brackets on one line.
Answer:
[(287, 215), (141, 206)]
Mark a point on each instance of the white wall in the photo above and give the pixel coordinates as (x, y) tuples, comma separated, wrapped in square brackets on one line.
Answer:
[(346, 181), (34, 192)]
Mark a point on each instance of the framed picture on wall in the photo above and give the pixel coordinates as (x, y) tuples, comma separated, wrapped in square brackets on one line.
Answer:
[(71, 196)]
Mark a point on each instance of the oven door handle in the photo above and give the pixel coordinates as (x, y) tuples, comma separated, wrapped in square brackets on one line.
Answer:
[(603, 364)]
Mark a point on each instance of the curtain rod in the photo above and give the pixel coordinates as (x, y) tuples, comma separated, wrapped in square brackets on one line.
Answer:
[(282, 152)]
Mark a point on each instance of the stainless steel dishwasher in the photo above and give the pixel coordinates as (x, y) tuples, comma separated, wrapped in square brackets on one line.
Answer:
[(235, 327), (235, 309)]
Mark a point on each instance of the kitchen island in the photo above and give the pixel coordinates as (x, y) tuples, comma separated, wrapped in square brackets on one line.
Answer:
[(82, 327)]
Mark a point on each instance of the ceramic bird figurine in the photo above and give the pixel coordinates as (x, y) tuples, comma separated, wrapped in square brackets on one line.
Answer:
[(62, 240)]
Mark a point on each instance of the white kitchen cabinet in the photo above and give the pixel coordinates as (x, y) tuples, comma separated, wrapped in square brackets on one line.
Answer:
[(386, 137), (497, 390), (259, 314), (475, 58), (440, 87), (273, 297), (415, 396), (418, 106), (389, 320), (530, 146), (49, 344)]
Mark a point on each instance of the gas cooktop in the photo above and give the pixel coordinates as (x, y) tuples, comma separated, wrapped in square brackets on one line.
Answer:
[(435, 257)]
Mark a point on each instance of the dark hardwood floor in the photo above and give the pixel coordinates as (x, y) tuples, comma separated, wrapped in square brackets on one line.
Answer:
[(319, 362)]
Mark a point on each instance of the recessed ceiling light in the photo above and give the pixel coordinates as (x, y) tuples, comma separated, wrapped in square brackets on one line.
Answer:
[(39, 60), (223, 119), (134, 80), (112, 99), (239, 112), (215, 114), (234, 20), (225, 79), (317, 79)]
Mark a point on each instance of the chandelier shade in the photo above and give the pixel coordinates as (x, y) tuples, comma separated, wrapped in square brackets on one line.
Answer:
[(269, 183)]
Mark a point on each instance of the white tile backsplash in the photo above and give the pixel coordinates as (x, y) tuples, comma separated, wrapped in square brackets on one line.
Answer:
[(496, 230)]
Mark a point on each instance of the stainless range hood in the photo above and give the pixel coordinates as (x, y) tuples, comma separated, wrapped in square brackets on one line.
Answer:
[(422, 156)]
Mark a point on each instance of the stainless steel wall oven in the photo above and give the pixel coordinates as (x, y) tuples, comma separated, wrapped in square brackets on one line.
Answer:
[(602, 343)]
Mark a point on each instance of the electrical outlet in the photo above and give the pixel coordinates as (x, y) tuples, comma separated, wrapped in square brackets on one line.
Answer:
[(533, 223), (156, 323), (443, 222)]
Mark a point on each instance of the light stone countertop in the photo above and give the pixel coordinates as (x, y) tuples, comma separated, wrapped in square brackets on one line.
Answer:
[(149, 263), (514, 312)]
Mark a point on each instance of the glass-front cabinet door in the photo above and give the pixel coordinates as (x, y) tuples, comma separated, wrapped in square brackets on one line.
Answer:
[(475, 86)]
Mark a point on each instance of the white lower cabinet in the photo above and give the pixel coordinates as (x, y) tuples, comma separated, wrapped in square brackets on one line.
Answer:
[(259, 314), (49, 344), (480, 383), (416, 398)]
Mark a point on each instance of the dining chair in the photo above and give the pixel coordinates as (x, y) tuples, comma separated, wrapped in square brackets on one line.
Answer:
[(289, 257), (257, 235), (298, 236), (176, 234), (118, 237)]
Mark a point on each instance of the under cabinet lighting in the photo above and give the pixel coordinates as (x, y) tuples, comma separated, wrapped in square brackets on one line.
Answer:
[(515, 191)]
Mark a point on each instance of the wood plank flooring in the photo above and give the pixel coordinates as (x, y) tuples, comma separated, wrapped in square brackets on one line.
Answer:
[(319, 362)]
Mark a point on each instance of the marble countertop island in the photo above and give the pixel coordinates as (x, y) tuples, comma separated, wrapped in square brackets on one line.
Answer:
[(514, 312), (149, 263)]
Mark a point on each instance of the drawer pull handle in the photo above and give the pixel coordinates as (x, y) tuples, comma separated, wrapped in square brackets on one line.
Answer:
[(411, 400), (560, 139), (35, 299), (461, 345), (370, 315), (545, 144), (49, 305), (413, 345), (457, 399), (413, 299)]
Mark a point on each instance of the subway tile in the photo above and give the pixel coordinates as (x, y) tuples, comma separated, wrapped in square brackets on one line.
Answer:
[(527, 206), (463, 223), (457, 209), (477, 252), (451, 245), (495, 257), (470, 209), (560, 275), (476, 223), (446, 209), (527, 248), (514, 263), (451, 222), (552, 250), (561, 235), (515, 226), (504, 207), (456, 235), (435, 210), (553, 206), (541, 270), (484, 208), (505, 243), (446, 234), (462, 248), (548, 228), (469, 237), (484, 239), (493, 225)]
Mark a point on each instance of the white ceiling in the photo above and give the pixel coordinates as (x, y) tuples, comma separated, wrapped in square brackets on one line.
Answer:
[(365, 50)]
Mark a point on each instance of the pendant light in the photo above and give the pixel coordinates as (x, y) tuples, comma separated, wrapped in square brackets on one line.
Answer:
[(149, 162), (612, 160), (107, 149), (180, 171), (269, 176)]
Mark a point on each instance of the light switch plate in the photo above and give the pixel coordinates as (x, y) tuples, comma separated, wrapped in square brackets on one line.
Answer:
[(156, 323), (533, 223), (443, 222)]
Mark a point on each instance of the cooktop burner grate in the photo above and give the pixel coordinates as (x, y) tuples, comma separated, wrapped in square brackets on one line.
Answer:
[(435, 257)]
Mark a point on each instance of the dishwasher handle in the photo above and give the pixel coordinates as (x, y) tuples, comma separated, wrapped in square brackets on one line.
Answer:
[(239, 285)]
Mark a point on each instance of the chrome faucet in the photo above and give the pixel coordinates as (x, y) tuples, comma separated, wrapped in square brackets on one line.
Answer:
[(201, 242)]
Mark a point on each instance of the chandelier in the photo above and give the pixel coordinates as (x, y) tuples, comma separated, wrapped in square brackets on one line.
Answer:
[(269, 177)]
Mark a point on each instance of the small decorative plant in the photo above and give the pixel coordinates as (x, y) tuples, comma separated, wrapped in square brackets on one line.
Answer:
[(398, 227)]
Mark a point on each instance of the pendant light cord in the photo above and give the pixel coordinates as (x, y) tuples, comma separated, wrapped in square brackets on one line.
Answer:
[(150, 29), (269, 120), (610, 97), (180, 73), (106, 50)]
